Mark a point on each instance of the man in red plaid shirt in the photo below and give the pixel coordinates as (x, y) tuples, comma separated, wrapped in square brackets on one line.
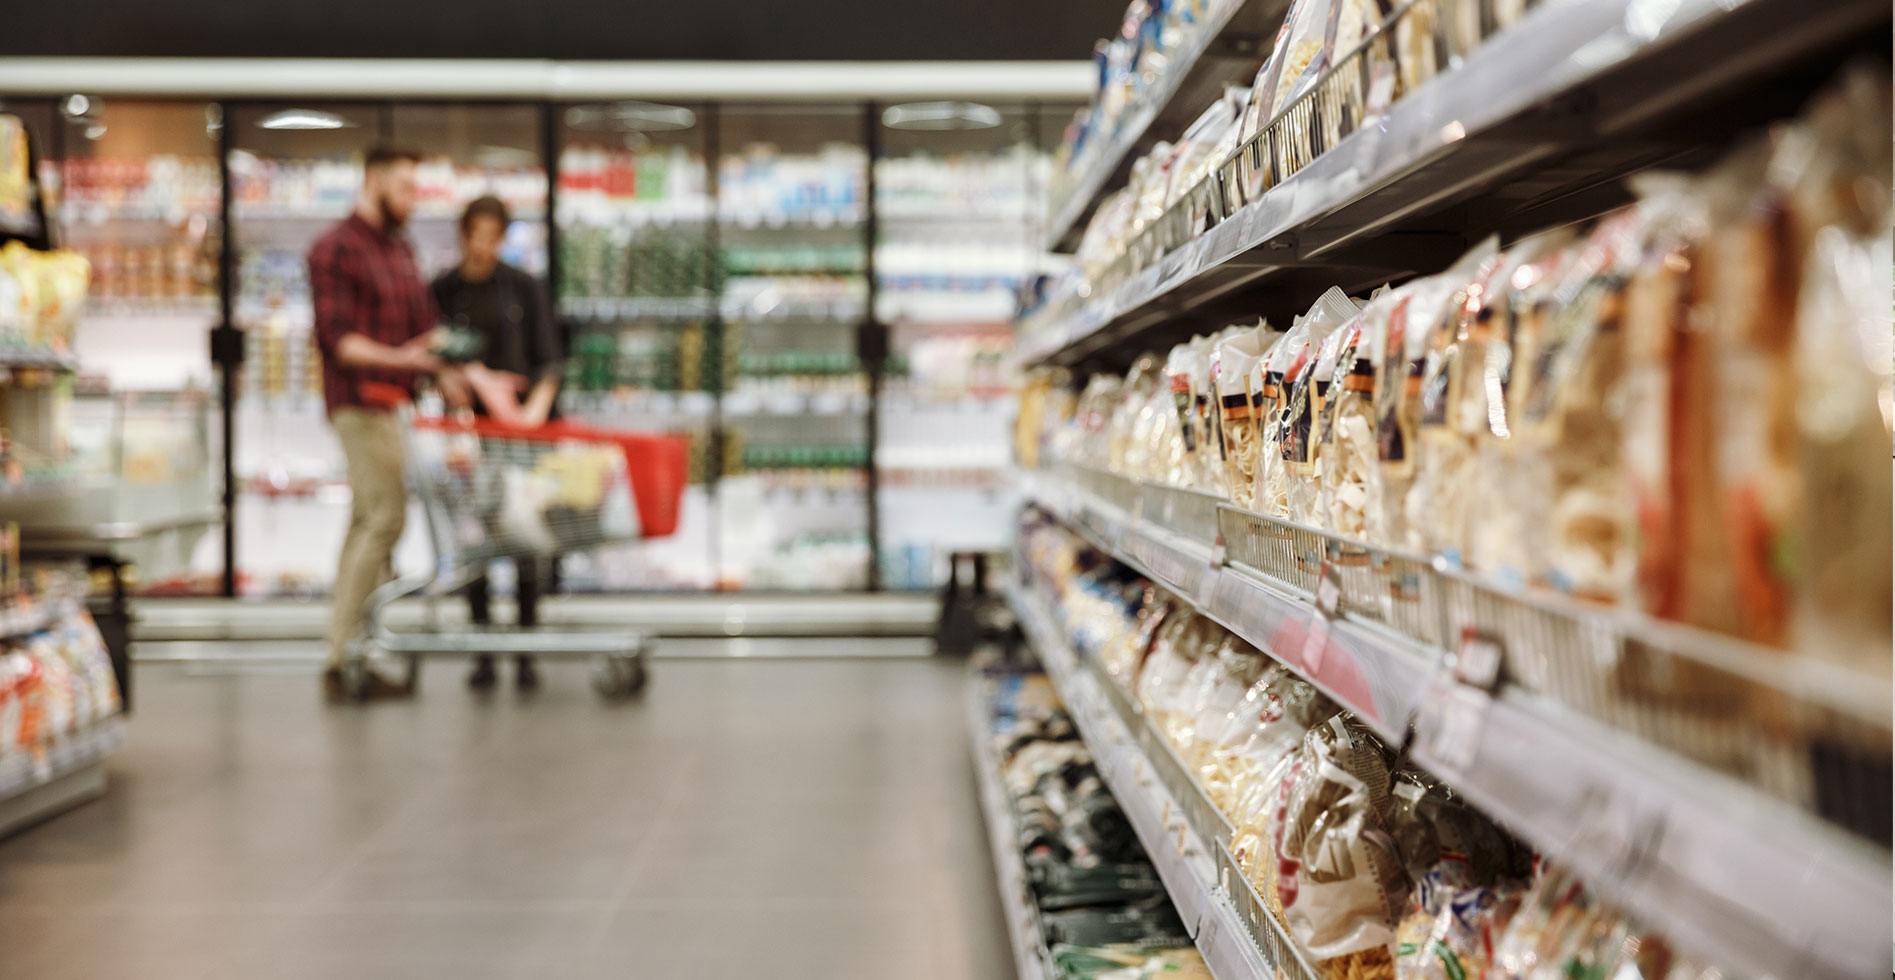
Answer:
[(374, 315)]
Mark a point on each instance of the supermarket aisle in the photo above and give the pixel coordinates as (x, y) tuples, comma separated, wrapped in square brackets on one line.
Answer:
[(793, 819)]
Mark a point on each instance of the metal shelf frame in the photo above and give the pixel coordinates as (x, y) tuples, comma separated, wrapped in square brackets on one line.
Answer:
[(1031, 959), (1726, 868), (1528, 130)]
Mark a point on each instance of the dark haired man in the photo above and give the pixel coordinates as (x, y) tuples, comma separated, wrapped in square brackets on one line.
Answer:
[(506, 308), (373, 317)]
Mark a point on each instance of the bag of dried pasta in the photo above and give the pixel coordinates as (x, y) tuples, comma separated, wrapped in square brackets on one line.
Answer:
[(1234, 378), (1497, 534), (1437, 502), (1127, 447), (1184, 371), (1234, 666), (1340, 878), (1296, 415), (1346, 465), (1333, 366), (1265, 725), (1398, 391)]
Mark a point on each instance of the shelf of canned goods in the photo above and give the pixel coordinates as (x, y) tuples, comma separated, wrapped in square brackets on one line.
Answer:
[(1703, 783)]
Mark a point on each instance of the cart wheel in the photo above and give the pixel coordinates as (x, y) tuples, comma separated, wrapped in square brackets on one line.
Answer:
[(355, 678), (618, 677)]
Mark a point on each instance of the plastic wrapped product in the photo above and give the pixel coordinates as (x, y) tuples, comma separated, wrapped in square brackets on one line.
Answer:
[(1234, 369), (1173, 653), (1420, 349), (1266, 725), (1273, 396), (1570, 422), (1416, 52), (1399, 394), (1497, 533), (1340, 879), (1237, 667), (1124, 453), (1437, 501), (1183, 371), (1306, 479), (1347, 435), (1289, 442)]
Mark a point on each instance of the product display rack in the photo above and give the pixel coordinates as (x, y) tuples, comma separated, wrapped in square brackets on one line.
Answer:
[(1532, 128), (1227, 48), (1725, 866), (1185, 836), (71, 772), (1030, 957)]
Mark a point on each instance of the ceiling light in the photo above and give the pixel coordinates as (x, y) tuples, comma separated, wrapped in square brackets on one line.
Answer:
[(303, 119), (940, 116), (629, 117), (77, 105), (94, 131)]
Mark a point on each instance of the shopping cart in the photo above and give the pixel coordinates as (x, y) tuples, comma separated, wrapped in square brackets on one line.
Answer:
[(491, 491)]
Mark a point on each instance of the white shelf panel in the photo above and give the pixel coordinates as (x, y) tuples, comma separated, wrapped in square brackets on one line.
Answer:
[(1030, 957)]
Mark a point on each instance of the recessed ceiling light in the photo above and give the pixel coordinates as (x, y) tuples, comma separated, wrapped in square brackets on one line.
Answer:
[(303, 119), (940, 116), (77, 105), (629, 117)]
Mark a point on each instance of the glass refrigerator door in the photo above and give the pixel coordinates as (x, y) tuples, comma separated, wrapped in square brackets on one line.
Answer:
[(296, 170), (790, 216), (139, 197), (958, 192), (638, 290)]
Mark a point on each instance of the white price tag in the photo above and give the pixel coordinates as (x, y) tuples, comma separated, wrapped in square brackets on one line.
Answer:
[(1460, 717), (1328, 601)]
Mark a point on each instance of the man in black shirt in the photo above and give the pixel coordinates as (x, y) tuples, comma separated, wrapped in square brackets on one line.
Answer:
[(505, 307)]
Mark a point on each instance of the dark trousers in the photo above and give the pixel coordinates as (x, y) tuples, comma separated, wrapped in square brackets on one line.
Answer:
[(526, 574)]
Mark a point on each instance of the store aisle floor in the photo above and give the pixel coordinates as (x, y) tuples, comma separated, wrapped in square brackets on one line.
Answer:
[(795, 819)]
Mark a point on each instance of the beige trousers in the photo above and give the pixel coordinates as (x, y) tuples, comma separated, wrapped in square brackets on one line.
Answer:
[(371, 443)]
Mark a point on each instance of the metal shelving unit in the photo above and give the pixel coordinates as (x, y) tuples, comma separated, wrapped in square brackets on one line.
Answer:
[(1030, 956), (1531, 128), (1695, 829), (1226, 50), (1184, 835)]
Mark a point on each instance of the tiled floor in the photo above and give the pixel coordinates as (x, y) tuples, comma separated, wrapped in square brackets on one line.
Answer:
[(785, 819)]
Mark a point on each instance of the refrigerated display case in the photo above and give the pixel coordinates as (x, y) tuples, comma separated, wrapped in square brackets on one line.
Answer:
[(958, 201), (638, 285), (791, 213)]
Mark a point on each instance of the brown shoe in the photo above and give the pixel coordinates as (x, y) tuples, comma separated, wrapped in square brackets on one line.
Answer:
[(379, 688), (333, 690)]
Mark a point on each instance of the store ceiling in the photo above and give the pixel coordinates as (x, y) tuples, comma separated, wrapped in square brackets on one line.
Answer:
[(722, 30)]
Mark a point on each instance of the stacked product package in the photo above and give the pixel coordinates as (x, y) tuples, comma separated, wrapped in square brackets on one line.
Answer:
[(53, 683), (1374, 868), (1102, 909), (1683, 402)]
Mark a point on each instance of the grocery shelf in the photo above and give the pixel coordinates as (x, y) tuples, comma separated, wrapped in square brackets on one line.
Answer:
[(793, 404), (1030, 956), (1530, 130), (20, 619), (1724, 865), (1185, 837), (639, 408), (34, 786), (1226, 51)]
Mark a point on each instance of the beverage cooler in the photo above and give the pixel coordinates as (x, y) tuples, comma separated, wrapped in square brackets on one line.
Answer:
[(836, 354)]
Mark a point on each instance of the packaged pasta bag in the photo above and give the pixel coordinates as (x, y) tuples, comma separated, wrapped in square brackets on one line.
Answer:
[(1841, 593), (1296, 414), (1234, 666), (1436, 507), (1478, 406), (1182, 371), (1182, 641), (1398, 390), (1301, 58), (1126, 450), (1418, 55), (1126, 658), (1234, 380), (1272, 396), (1340, 878), (1270, 721), (1569, 422), (1348, 459), (1306, 479), (1355, 91), (1210, 458)]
